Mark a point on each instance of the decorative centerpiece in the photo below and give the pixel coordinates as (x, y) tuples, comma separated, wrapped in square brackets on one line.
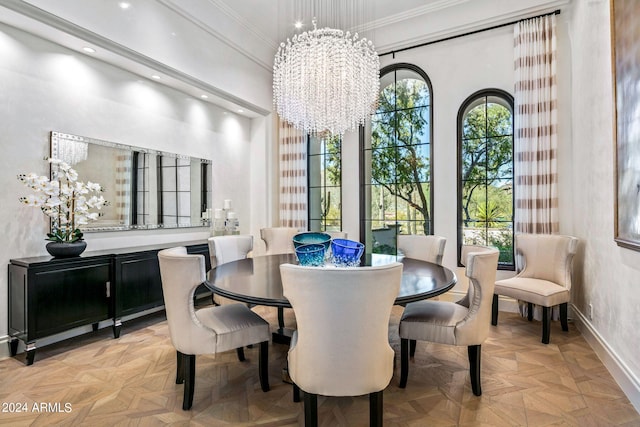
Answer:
[(346, 253), (312, 237), (311, 255), (68, 202)]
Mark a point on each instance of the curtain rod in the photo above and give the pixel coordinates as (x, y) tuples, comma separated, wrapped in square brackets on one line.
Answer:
[(393, 52)]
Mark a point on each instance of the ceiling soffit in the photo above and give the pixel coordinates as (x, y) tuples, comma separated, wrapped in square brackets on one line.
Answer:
[(258, 41)]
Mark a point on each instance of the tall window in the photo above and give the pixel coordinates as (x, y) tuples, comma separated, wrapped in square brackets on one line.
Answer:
[(325, 179), (396, 159), (485, 169)]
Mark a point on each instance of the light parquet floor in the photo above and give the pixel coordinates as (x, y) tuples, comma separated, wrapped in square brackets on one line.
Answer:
[(95, 380)]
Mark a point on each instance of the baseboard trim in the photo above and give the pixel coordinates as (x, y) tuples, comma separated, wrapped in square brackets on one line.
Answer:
[(628, 382)]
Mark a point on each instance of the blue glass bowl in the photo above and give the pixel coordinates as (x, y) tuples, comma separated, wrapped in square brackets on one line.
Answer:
[(346, 253), (311, 255), (312, 237)]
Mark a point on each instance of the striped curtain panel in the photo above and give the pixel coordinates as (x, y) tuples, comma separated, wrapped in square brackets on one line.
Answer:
[(535, 124), (123, 189), (293, 177)]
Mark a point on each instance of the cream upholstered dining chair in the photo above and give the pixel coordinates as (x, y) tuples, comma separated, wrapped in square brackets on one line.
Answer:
[(223, 249), (208, 330), (278, 240), (422, 247), (462, 323), (544, 263), (341, 345)]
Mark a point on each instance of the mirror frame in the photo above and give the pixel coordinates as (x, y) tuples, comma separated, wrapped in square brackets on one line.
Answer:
[(205, 191)]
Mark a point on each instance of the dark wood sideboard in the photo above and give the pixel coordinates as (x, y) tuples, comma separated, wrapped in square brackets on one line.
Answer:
[(48, 296)]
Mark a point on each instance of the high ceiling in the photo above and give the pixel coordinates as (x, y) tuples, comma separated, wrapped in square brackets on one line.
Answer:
[(208, 46)]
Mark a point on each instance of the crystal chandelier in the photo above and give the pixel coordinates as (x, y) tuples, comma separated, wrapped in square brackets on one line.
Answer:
[(326, 80)]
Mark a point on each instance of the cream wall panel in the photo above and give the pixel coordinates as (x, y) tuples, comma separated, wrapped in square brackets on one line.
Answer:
[(46, 87), (609, 277)]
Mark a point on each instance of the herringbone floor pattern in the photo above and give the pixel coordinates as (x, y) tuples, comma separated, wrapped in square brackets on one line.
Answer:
[(96, 380)]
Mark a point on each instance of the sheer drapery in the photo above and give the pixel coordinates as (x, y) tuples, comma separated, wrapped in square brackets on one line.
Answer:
[(293, 177), (535, 123), (536, 132)]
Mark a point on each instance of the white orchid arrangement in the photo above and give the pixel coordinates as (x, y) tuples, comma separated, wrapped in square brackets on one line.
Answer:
[(68, 202)]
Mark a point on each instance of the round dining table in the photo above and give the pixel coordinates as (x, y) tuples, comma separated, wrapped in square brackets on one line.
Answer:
[(257, 281)]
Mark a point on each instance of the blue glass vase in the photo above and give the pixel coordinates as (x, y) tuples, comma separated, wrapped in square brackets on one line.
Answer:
[(346, 253), (311, 255)]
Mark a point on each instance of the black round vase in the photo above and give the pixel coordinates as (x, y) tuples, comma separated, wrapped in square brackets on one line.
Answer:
[(65, 249)]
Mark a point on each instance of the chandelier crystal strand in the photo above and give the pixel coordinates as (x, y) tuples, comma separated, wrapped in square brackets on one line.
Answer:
[(326, 80)]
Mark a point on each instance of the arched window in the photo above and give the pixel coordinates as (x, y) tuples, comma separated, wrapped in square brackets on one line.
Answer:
[(325, 181), (485, 171), (396, 150)]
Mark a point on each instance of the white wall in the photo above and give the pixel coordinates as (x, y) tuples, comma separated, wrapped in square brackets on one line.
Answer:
[(45, 87), (609, 277), (192, 36)]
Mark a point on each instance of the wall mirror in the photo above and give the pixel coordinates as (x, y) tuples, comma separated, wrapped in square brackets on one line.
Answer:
[(146, 189)]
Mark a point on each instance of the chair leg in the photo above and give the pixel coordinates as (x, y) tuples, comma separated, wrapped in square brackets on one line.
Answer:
[(240, 352), (412, 348), (263, 365), (310, 410), (494, 310), (375, 409), (474, 368), (546, 324), (564, 321), (179, 367), (529, 311), (404, 362), (280, 317), (190, 380), (296, 393)]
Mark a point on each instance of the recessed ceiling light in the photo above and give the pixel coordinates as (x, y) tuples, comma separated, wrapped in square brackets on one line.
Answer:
[(204, 96), (155, 76), (298, 24), (89, 49), (124, 5)]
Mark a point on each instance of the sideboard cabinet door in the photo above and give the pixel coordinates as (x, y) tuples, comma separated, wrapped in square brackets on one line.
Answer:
[(137, 284), (46, 298)]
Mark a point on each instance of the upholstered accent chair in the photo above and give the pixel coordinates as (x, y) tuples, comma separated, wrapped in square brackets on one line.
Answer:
[(422, 247), (223, 249), (462, 323), (278, 240), (341, 346), (208, 330), (544, 263)]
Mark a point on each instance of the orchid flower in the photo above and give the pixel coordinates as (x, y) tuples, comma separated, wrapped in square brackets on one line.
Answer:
[(67, 201)]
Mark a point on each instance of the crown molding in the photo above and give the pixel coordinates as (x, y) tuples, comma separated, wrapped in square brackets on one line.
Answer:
[(269, 44), (248, 27), (472, 26), (409, 14), (124, 52)]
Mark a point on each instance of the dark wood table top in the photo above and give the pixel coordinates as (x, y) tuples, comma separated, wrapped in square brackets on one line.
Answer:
[(257, 280)]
